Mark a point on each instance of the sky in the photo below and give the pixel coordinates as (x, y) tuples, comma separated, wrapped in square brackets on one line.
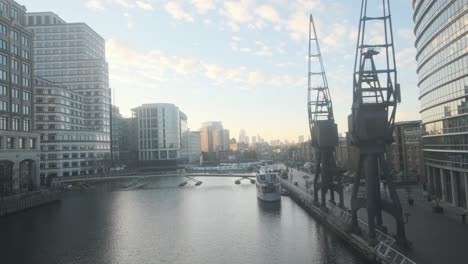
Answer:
[(240, 62)]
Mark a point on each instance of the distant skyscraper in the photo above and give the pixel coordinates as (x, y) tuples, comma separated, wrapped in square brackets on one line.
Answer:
[(441, 42), (214, 139), (300, 139), (254, 140), (242, 136)]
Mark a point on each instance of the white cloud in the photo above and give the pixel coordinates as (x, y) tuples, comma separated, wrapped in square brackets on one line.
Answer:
[(94, 4), (176, 11), (235, 38), (406, 58), (128, 65), (124, 3), (238, 11), (234, 27), (298, 26), (268, 13), (203, 6), (144, 5), (336, 39)]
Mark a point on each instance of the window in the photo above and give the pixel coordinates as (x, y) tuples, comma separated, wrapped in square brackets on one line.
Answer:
[(15, 49), (3, 44), (10, 143), (26, 110), (32, 143), (14, 78), (15, 108), (14, 13), (15, 64), (3, 29), (3, 59), (25, 40), (25, 68), (25, 82), (21, 143), (15, 124), (3, 106), (26, 95), (26, 125), (15, 93), (3, 123), (3, 90), (3, 75), (14, 35), (26, 54), (3, 6)]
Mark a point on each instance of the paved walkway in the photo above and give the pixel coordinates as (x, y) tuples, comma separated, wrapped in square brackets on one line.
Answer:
[(436, 238)]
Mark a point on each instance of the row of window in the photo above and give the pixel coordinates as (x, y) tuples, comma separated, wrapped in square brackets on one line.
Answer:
[(455, 70), (445, 93), (15, 93), (456, 160), (15, 78), (15, 124), (443, 56), (15, 108), (18, 143), (451, 125), (158, 155), (15, 49), (76, 137), (447, 35), (14, 64)]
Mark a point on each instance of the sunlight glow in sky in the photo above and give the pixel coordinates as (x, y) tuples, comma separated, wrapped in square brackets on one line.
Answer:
[(240, 62)]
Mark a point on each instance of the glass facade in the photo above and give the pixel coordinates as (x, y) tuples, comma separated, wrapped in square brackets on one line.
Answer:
[(442, 53)]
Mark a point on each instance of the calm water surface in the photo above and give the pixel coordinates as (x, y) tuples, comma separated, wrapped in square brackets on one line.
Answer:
[(217, 222)]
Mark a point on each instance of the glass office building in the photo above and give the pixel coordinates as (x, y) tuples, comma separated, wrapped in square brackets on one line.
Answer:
[(442, 53)]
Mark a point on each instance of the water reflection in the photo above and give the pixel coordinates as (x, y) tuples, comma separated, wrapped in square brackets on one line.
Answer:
[(217, 222)]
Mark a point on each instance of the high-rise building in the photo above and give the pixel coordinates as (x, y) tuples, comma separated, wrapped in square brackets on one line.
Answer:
[(254, 140), (242, 136), (19, 146), (441, 43), (129, 145), (160, 131), (214, 140), (73, 55)]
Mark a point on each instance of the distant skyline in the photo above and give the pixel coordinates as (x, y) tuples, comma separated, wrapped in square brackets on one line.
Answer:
[(239, 62)]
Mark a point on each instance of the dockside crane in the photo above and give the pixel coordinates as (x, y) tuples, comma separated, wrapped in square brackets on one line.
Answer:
[(376, 93), (323, 129)]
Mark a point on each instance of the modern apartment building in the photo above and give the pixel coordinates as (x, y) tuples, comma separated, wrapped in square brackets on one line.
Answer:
[(441, 41), (214, 140), (73, 55), (69, 145), (160, 131), (19, 146)]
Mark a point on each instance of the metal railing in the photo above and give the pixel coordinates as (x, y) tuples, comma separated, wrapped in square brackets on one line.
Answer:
[(390, 255)]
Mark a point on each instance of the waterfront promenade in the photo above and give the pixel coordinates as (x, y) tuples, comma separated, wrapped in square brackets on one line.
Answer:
[(436, 238)]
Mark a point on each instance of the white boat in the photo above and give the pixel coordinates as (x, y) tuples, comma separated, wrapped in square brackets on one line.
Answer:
[(268, 186)]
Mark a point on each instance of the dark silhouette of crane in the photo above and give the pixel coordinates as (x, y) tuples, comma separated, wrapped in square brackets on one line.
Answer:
[(323, 129), (376, 94)]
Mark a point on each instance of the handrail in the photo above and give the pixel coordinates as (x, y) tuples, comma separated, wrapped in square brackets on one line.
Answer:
[(391, 255)]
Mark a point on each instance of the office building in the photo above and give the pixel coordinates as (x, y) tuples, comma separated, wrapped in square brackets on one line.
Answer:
[(442, 56), (160, 131), (69, 144), (19, 146), (116, 134), (191, 146), (73, 55)]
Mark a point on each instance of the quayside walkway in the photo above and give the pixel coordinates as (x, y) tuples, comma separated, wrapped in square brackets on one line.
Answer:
[(435, 238)]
